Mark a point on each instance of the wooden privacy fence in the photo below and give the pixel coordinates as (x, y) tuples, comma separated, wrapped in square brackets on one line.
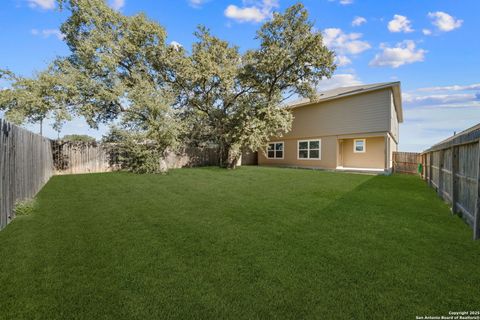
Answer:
[(27, 161), (83, 157), (406, 162), (26, 164), (452, 167), (90, 157)]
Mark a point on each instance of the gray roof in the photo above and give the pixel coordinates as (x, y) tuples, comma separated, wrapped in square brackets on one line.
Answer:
[(341, 92), (352, 90)]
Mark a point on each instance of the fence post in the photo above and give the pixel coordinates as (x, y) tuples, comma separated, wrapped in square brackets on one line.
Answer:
[(440, 173), (454, 179), (424, 166), (430, 158), (476, 217)]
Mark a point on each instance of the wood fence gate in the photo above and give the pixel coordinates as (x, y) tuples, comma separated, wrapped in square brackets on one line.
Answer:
[(406, 162)]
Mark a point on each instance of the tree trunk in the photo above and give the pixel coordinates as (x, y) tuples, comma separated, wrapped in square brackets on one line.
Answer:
[(234, 154), (163, 166), (222, 154)]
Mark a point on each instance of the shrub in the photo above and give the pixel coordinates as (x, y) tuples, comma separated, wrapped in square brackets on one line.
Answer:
[(78, 138), (25, 207), (135, 152)]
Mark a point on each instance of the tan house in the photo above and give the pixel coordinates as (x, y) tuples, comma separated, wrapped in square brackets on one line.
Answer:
[(349, 128)]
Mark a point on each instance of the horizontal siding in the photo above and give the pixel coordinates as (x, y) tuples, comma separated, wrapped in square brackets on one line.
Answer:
[(362, 113), (394, 119), (373, 157)]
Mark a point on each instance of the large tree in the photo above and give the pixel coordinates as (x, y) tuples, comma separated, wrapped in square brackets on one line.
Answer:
[(123, 66), (35, 99), (239, 95), (119, 67)]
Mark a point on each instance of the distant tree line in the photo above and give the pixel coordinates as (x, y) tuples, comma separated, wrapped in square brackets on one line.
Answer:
[(161, 96)]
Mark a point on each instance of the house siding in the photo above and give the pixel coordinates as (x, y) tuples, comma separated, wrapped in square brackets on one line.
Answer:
[(369, 112), (394, 126), (337, 122), (393, 148), (372, 158), (328, 154)]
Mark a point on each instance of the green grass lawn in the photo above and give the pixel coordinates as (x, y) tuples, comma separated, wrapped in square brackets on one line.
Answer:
[(250, 243)]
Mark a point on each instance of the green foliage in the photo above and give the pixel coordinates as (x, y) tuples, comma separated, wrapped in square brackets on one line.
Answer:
[(121, 69), (136, 153), (35, 99), (238, 95), (118, 62), (25, 207), (78, 138)]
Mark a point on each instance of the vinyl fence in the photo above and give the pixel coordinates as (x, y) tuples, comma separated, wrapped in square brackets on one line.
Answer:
[(406, 162), (26, 164), (452, 168)]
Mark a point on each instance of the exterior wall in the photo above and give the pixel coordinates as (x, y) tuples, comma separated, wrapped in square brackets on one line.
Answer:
[(328, 154), (394, 126), (393, 148), (337, 123), (361, 113), (372, 158)]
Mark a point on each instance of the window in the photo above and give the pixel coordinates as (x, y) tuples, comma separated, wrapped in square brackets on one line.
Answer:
[(275, 150), (359, 146), (309, 149)]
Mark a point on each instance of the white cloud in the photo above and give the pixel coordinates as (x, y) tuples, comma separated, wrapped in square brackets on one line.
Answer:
[(439, 99), (343, 2), (403, 53), (117, 4), (339, 80), (196, 3), (342, 60), (434, 113), (176, 45), (475, 86), (256, 11), (358, 21), (344, 43), (43, 4), (400, 24), (427, 32), (47, 33), (426, 125), (444, 22)]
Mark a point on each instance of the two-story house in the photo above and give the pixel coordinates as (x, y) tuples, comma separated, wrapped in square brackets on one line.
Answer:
[(349, 128)]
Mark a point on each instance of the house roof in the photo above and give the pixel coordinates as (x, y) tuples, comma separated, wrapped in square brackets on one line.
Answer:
[(342, 92)]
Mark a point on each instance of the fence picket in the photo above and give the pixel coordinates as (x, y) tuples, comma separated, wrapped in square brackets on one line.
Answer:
[(457, 161), (406, 162), (26, 164)]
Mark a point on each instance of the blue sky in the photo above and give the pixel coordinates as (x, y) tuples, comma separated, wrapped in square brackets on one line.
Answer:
[(431, 46)]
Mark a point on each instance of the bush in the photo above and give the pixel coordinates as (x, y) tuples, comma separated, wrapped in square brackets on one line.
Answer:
[(78, 138), (136, 153), (25, 207)]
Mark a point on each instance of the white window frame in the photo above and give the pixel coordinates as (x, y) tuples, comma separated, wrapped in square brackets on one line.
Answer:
[(308, 149), (275, 150), (355, 145)]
